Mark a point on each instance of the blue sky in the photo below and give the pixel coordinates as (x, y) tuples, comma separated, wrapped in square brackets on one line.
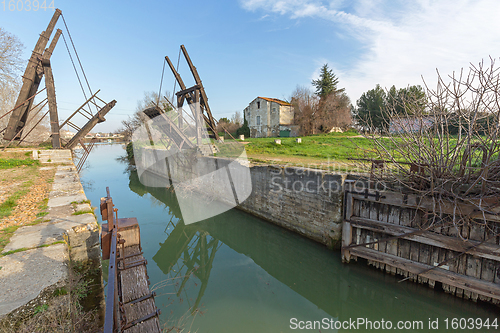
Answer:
[(249, 48)]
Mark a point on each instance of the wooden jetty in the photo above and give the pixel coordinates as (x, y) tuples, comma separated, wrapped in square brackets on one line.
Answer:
[(130, 305)]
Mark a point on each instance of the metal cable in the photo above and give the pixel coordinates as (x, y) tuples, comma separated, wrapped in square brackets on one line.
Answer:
[(161, 82), (74, 67), (78, 58)]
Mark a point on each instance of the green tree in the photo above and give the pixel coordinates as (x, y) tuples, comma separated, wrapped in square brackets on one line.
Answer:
[(327, 83), (371, 109), (406, 101), (245, 130)]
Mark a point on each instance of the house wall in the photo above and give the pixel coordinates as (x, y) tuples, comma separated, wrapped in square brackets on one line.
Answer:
[(269, 118), (286, 115), (271, 114)]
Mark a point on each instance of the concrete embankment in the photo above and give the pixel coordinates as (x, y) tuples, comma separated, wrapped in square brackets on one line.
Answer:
[(40, 256), (306, 201)]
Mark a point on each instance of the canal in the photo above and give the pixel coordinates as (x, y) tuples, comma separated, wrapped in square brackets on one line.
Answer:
[(238, 273)]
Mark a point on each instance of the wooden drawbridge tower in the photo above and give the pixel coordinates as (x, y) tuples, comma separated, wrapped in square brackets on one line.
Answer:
[(39, 66)]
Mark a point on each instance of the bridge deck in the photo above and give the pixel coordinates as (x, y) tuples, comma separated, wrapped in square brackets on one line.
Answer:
[(139, 310)]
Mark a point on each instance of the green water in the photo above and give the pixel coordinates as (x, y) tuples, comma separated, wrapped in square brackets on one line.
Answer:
[(238, 273)]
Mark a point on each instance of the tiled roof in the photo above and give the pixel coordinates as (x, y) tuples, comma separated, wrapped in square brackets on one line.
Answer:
[(279, 101)]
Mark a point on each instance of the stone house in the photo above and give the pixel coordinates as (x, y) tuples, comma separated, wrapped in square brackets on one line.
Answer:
[(268, 117)]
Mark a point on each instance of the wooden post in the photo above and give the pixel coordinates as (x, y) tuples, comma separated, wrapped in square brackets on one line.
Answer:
[(51, 96), (346, 227), (199, 122), (51, 92), (180, 101)]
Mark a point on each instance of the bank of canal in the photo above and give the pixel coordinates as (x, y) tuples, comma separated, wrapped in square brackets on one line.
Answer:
[(238, 273)]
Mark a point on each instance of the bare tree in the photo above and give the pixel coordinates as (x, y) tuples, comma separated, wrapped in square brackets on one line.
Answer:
[(229, 125), (446, 148), (11, 61), (135, 120), (315, 114), (305, 104), (237, 118), (335, 111)]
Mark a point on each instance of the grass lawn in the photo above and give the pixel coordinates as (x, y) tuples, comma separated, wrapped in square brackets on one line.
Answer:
[(315, 148)]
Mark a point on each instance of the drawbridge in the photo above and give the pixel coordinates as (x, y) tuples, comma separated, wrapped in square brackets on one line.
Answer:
[(39, 68), (194, 127)]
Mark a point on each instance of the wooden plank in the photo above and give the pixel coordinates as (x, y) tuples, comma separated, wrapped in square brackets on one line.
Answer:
[(346, 241), (392, 245), (404, 245), (383, 213), (424, 258), (348, 206), (364, 209), (481, 287), (434, 260), (134, 311), (415, 256), (394, 213), (374, 208), (403, 252), (485, 250), (134, 283), (397, 199), (355, 205), (446, 255), (148, 326)]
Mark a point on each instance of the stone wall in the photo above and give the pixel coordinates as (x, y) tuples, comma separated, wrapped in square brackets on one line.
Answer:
[(305, 201)]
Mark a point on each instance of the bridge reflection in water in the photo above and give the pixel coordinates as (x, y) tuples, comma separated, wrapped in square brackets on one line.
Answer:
[(302, 267)]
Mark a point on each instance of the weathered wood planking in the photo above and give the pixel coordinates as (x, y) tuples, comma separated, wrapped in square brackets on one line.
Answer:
[(488, 289), (134, 286), (473, 260)]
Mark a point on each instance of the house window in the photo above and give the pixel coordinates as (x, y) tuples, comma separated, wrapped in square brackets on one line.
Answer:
[(274, 109), (258, 119), (258, 105)]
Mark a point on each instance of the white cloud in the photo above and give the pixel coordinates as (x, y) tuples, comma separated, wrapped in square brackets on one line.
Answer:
[(403, 40)]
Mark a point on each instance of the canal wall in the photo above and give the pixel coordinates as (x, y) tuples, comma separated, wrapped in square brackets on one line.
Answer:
[(303, 200)]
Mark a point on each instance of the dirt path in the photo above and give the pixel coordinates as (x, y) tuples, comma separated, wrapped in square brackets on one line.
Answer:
[(28, 186)]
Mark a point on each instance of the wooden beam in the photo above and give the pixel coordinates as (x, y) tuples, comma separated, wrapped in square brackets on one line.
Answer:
[(176, 74), (419, 202), (98, 118), (487, 289), (188, 90), (486, 250), (203, 94), (51, 92)]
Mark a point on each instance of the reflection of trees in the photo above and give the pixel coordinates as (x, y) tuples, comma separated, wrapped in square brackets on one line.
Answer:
[(187, 252)]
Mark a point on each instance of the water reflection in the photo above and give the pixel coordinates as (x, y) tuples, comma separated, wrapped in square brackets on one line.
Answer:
[(300, 273)]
